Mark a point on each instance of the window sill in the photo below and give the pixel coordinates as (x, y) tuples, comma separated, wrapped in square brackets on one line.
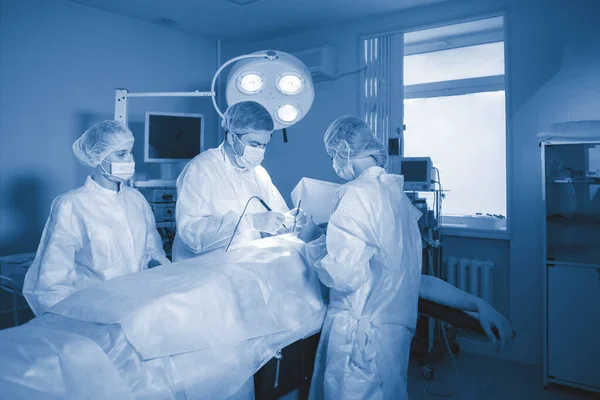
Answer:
[(458, 231)]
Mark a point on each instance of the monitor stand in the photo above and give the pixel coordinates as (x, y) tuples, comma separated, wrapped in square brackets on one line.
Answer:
[(168, 171)]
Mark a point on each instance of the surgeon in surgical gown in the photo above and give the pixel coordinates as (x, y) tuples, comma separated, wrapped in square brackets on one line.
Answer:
[(371, 260), (215, 187), (218, 185), (99, 231)]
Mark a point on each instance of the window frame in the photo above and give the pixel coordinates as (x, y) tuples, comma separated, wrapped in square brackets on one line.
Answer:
[(455, 87), (465, 225), (459, 41)]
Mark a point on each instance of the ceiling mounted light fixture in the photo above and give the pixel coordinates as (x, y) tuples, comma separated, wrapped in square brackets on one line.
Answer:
[(277, 80)]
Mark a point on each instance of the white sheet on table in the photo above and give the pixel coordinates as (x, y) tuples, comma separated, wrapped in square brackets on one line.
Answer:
[(212, 300), (215, 373), (37, 362), (100, 341)]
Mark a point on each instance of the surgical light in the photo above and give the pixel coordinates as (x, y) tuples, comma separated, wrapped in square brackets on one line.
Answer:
[(250, 83), (290, 84), (277, 80), (288, 113)]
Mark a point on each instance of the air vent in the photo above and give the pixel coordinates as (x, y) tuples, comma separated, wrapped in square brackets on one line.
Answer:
[(165, 22), (243, 2)]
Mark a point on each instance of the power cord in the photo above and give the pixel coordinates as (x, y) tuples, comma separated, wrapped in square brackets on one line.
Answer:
[(455, 391), (240, 219), (265, 205), (439, 206)]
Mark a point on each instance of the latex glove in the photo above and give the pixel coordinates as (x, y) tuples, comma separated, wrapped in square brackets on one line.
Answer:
[(310, 232), (488, 318), (300, 216), (316, 250), (269, 222)]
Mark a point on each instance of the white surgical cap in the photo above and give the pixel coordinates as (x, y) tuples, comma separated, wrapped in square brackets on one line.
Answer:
[(247, 116), (99, 141), (356, 138)]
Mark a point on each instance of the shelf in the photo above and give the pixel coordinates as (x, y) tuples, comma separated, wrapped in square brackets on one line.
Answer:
[(579, 219), (575, 254), (156, 183), (9, 311), (583, 181)]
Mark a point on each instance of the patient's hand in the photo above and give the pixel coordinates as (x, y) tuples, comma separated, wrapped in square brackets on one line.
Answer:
[(488, 318)]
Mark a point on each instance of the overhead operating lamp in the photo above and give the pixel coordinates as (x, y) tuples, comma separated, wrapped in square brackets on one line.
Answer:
[(277, 80)]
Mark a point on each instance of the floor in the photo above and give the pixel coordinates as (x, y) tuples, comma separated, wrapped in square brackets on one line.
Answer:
[(482, 378)]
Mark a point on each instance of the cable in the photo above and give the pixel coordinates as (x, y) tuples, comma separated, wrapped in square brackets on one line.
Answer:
[(456, 390), (346, 73), (265, 205), (350, 73), (441, 196), (240, 220)]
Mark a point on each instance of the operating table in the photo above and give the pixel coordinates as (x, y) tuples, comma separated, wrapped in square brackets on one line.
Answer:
[(195, 329)]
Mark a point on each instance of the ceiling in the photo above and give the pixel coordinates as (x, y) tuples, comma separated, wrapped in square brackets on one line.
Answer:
[(227, 20)]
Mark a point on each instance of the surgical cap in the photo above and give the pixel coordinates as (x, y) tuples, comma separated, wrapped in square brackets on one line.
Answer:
[(99, 141), (247, 116), (356, 138)]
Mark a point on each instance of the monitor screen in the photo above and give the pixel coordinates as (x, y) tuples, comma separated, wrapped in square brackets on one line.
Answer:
[(172, 137), (415, 171)]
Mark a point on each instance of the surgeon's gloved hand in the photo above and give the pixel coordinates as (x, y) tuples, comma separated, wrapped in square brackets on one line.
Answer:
[(316, 250), (270, 222), (488, 318), (300, 217), (310, 232)]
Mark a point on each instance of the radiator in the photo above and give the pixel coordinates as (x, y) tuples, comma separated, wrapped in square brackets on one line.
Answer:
[(472, 276)]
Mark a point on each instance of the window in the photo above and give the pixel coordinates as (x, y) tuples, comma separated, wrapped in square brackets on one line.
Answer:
[(461, 63), (454, 112)]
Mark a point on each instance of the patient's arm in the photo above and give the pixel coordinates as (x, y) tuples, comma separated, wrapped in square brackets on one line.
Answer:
[(441, 292)]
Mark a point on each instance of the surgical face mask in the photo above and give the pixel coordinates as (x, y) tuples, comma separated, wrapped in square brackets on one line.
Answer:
[(250, 157), (346, 173), (118, 171)]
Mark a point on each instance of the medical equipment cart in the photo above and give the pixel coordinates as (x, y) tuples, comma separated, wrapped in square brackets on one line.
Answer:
[(570, 157), (162, 197), (428, 344), (14, 310)]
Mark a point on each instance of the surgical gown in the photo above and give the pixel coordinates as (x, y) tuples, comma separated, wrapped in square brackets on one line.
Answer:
[(211, 196), (372, 267), (93, 234)]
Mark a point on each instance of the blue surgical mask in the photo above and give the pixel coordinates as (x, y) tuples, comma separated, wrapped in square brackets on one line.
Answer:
[(250, 157)]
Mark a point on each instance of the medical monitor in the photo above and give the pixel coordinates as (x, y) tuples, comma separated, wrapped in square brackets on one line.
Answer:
[(417, 173), (173, 137)]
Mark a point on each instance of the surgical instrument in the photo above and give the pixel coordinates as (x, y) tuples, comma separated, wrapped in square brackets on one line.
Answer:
[(296, 215)]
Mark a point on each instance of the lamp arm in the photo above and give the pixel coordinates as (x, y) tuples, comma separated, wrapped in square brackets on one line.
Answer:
[(270, 55)]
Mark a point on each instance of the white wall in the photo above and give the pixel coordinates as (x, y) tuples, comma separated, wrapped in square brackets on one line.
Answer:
[(60, 64), (553, 76)]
